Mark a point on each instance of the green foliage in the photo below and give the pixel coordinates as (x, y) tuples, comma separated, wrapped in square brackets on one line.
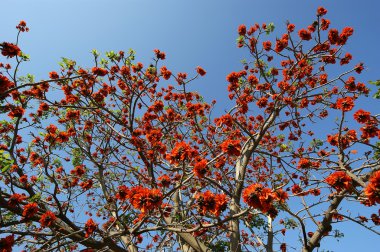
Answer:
[(377, 84), (77, 157), (316, 143), (290, 223), (240, 39), (5, 161), (219, 246), (130, 58), (377, 151), (24, 56), (67, 63), (257, 221), (270, 28)]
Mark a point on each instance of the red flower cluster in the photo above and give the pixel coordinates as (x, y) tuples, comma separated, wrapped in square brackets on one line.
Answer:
[(231, 147), (262, 198), (339, 180), (371, 127), (141, 198), (336, 39), (5, 84), (304, 34), (22, 26), (181, 152), (209, 202), (99, 71), (53, 75), (362, 116), (201, 71), (345, 104), (160, 55), (78, 170), (16, 112), (267, 45), (282, 43), (47, 219), (200, 168), (372, 191), (30, 210), (321, 11), (16, 199), (164, 181), (345, 139), (165, 73), (307, 163), (90, 227), (242, 29), (7, 243), (9, 50)]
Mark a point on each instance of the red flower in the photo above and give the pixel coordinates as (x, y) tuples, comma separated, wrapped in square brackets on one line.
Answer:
[(145, 199), (122, 193), (22, 26), (304, 163), (181, 152), (296, 189), (7, 243), (73, 115), (201, 71), (213, 203), (5, 84), (362, 116), (333, 36), (345, 140), (242, 30), (325, 23), (159, 54), (345, 104), (291, 27), (15, 199), (259, 197), (16, 112), (281, 44), (99, 71), (79, 170), (164, 180), (200, 168), (339, 180), (321, 11), (30, 210), (369, 130), (262, 102), (53, 75), (267, 45), (90, 227), (304, 34), (9, 50), (165, 73), (47, 219), (63, 137), (231, 147), (346, 59), (359, 68), (87, 185)]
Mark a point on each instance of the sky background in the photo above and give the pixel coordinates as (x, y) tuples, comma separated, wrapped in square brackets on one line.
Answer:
[(191, 33)]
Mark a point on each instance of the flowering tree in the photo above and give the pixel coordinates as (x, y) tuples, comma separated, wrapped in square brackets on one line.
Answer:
[(124, 157)]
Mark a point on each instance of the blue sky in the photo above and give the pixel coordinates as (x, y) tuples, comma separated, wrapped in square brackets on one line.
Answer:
[(191, 33)]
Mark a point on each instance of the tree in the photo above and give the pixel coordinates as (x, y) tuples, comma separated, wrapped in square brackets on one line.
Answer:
[(116, 158)]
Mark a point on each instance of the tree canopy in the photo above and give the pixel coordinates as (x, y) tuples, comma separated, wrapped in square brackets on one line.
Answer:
[(126, 156)]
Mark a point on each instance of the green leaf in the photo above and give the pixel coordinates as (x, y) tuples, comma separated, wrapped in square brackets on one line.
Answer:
[(95, 53), (270, 28)]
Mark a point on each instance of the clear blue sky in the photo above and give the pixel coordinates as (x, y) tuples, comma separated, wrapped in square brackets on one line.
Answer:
[(191, 33)]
